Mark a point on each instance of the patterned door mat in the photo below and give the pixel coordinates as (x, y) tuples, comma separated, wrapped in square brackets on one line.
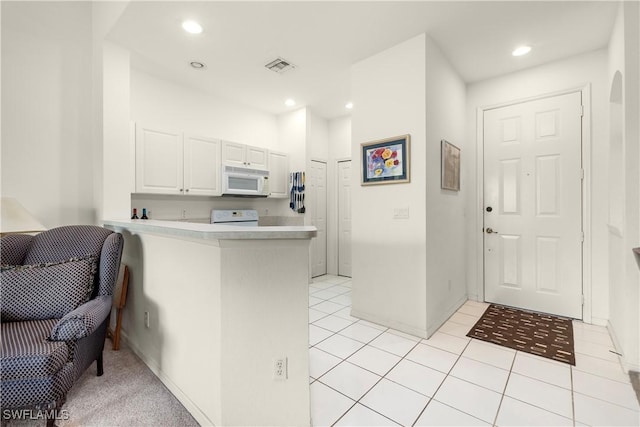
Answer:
[(536, 333)]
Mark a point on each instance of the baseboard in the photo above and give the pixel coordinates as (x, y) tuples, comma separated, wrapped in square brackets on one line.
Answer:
[(411, 330), (193, 409), (599, 321), (473, 297), (446, 315), (417, 332), (626, 365)]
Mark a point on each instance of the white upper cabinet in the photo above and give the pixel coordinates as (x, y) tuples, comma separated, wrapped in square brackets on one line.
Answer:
[(159, 160), (257, 158), (169, 162), (242, 155), (201, 166), (278, 174)]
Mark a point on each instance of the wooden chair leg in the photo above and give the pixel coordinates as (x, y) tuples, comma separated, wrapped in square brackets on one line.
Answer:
[(116, 334), (99, 365)]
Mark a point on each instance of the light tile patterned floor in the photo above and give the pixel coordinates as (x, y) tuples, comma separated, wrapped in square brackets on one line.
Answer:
[(363, 374)]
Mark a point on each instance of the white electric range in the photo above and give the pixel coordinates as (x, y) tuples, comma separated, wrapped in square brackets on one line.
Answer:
[(240, 217)]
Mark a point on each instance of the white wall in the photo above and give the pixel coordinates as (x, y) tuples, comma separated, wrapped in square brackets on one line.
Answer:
[(388, 255), (407, 89), (292, 132), (624, 234), (117, 162), (158, 101), (445, 210), (574, 72), (104, 16), (47, 159), (317, 137), (340, 138), (339, 149), (408, 273)]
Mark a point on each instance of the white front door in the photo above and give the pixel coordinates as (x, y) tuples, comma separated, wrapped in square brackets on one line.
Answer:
[(533, 205), (344, 218), (316, 186)]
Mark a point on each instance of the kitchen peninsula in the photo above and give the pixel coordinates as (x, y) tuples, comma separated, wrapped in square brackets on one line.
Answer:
[(212, 308)]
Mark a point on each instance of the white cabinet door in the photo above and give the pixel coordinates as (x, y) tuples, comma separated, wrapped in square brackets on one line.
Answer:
[(233, 153), (201, 166), (159, 160), (256, 158), (278, 174), (242, 155)]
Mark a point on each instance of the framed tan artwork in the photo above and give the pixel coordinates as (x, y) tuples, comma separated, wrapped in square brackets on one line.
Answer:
[(450, 166)]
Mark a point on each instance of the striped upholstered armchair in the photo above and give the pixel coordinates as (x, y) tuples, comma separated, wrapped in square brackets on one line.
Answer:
[(56, 293)]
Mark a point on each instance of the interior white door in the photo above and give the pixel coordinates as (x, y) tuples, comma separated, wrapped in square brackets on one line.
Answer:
[(533, 205), (316, 188), (344, 218)]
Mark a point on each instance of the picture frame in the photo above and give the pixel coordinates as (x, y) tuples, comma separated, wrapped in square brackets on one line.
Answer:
[(450, 166), (386, 161)]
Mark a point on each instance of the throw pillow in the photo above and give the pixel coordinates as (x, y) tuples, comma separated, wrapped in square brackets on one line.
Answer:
[(46, 291)]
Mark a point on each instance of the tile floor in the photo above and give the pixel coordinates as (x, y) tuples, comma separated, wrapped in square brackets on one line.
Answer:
[(363, 374)]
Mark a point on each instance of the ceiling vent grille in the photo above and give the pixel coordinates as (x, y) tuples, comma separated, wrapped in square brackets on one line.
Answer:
[(280, 65)]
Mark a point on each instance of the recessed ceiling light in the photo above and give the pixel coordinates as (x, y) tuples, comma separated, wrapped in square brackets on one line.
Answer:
[(192, 27), (522, 50), (198, 65), (289, 102), (349, 105)]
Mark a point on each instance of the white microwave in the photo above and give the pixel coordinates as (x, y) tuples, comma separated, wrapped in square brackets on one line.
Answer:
[(244, 182)]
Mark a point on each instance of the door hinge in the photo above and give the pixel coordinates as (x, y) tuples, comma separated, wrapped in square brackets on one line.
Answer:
[(582, 236), (581, 173), (583, 299), (581, 111)]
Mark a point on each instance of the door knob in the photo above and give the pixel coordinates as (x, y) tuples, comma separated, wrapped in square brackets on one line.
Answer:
[(490, 231)]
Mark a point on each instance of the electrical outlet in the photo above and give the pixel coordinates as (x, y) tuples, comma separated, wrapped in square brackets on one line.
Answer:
[(147, 323), (280, 369), (184, 214)]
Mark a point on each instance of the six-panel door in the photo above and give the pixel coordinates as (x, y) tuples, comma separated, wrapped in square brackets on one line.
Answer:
[(533, 205)]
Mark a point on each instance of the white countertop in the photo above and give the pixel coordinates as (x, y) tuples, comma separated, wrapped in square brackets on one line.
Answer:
[(213, 231)]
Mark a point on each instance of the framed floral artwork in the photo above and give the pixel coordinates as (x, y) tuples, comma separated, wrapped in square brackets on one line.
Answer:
[(386, 161), (450, 166)]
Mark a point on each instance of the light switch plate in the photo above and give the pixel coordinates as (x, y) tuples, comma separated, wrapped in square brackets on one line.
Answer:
[(401, 213)]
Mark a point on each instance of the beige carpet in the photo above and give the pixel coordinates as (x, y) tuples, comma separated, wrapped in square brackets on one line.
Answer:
[(128, 394)]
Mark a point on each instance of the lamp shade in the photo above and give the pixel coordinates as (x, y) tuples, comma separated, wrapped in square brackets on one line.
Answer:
[(16, 219)]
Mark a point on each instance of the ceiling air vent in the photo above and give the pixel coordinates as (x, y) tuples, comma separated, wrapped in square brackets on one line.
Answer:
[(280, 65)]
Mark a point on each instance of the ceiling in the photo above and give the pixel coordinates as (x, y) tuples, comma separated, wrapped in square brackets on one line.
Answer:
[(323, 39)]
